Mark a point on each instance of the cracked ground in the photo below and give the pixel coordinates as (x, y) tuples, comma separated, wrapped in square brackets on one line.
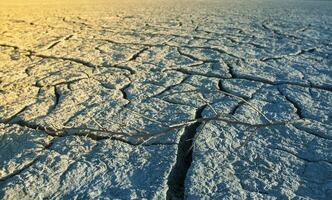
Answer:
[(166, 100)]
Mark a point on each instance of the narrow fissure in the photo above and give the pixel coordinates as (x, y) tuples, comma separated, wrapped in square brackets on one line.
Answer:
[(138, 54), (57, 98), (53, 44), (233, 111), (75, 60), (231, 70), (49, 131), (176, 180), (171, 87), (123, 91), (298, 109), (193, 73), (302, 51)]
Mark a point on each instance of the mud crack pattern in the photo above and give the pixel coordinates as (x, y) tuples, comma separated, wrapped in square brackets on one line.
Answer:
[(103, 65)]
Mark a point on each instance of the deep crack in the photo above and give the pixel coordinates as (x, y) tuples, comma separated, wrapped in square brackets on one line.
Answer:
[(176, 179), (57, 98)]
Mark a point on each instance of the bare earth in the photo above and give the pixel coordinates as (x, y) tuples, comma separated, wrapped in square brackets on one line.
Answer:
[(238, 97)]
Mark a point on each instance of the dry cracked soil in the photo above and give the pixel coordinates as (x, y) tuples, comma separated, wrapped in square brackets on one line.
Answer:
[(166, 99)]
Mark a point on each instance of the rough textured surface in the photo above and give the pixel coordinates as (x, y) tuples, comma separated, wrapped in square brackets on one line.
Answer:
[(98, 70)]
